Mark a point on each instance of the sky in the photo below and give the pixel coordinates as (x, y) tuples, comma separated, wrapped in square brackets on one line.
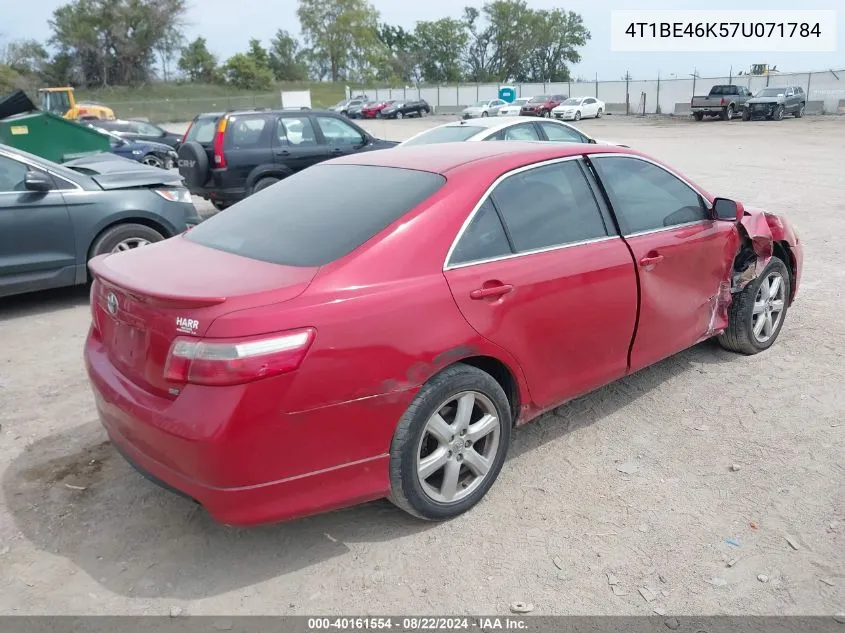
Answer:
[(228, 26)]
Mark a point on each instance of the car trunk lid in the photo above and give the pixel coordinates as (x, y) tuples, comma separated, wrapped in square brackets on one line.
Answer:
[(143, 299)]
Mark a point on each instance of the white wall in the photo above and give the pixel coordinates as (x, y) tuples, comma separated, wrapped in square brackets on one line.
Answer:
[(820, 86)]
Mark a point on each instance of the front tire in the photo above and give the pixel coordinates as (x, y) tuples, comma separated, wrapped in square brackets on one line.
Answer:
[(153, 161), (450, 444), (756, 314), (124, 237), (578, 115), (598, 114), (400, 115), (778, 115)]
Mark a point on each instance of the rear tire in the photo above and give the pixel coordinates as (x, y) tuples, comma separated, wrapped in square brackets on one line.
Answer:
[(728, 113), (418, 437), (153, 161), (124, 237), (800, 111), (699, 116), (750, 305), (264, 183)]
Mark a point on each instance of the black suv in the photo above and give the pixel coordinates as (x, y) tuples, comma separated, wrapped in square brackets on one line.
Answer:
[(226, 156)]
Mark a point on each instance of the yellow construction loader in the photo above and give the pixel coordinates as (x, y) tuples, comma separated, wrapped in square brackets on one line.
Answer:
[(60, 101)]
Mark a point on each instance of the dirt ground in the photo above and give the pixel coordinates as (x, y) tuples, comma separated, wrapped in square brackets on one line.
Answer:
[(82, 533)]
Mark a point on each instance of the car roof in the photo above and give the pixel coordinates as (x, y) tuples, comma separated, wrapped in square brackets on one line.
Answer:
[(487, 122), (444, 157)]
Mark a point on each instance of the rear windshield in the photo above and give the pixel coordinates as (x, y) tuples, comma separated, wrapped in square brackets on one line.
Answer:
[(446, 134), (317, 215), (723, 90), (202, 130)]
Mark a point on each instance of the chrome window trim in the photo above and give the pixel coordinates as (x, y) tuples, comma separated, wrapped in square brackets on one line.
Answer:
[(447, 266), (487, 193), (21, 159)]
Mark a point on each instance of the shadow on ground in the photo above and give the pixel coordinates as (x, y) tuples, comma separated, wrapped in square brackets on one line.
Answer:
[(43, 302), (72, 495)]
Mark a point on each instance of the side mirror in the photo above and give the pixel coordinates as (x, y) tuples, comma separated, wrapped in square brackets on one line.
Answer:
[(728, 210), (593, 141), (37, 181)]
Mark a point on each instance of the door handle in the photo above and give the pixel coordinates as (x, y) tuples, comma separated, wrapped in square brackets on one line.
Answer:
[(493, 291), (651, 260), (282, 152), (337, 150)]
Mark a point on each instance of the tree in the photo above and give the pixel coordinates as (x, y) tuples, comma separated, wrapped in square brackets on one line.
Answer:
[(440, 49), (114, 41), (555, 36), (167, 47), (244, 71), (287, 59), (478, 55), (340, 33), (258, 53), (398, 61), (26, 57), (197, 62)]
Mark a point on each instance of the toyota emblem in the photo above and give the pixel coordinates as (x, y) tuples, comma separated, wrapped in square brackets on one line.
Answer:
[(111, 303)]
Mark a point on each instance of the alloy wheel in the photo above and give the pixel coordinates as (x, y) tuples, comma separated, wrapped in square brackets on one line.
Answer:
[(129, 244), (768, 307), (458, 446)]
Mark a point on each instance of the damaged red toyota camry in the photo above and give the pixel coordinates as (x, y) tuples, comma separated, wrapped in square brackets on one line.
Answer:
[(376, 325)]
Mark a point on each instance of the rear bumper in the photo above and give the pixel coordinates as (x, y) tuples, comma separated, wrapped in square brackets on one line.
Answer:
[(233, 194), (232, 451)]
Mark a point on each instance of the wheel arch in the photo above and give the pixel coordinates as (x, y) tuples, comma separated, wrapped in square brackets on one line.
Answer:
[(266, 171), (502, 374), (781, 250)]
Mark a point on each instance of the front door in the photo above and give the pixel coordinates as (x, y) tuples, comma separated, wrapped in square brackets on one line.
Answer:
[(37, 248), (296, 144), (540, 272), (339, 136), (682, 255)]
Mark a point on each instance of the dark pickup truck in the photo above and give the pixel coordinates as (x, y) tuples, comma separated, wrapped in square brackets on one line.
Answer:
[(723, 101)]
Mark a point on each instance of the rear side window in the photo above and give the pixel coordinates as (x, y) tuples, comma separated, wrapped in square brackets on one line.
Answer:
[(317, 215), (203, 129), (549, 206), (483, 239), (248, 132)]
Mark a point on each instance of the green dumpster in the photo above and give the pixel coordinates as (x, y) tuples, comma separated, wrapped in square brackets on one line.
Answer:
[(52, 137)]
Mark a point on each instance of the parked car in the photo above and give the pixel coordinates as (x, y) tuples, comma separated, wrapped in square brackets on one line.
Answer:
[(513, 108), (723, 100), (226, 157), (542, 105), (141, 131), (774, 103), (374, 109), (342, 107), (375, 326), (146, 152), (53, 217), (577, 108), (354, 112), (512, 128), (400, 110), (485, 108)]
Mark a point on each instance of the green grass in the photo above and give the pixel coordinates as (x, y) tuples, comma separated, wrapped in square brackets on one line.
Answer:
[(171, 102)]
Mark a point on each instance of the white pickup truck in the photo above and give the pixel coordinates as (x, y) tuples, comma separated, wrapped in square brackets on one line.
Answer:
[(724, 101)]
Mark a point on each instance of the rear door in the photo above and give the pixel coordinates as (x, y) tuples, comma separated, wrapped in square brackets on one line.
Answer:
[(340, 137), (521, 132), (540, 272), (682, 255), (296, 142), (561, 133), (37, 247)]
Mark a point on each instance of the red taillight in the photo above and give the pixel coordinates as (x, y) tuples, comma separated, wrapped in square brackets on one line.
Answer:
[(236, 361), (219, 156), (722, 101)]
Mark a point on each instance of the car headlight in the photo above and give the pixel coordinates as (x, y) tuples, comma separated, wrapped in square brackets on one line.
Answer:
[(136, 152), (174, 194)]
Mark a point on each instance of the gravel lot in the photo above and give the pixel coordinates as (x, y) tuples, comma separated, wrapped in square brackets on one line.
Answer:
[(82, 533)]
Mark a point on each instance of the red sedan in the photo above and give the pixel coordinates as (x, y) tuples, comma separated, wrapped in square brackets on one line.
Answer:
[(374, 110), (375, 325)]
